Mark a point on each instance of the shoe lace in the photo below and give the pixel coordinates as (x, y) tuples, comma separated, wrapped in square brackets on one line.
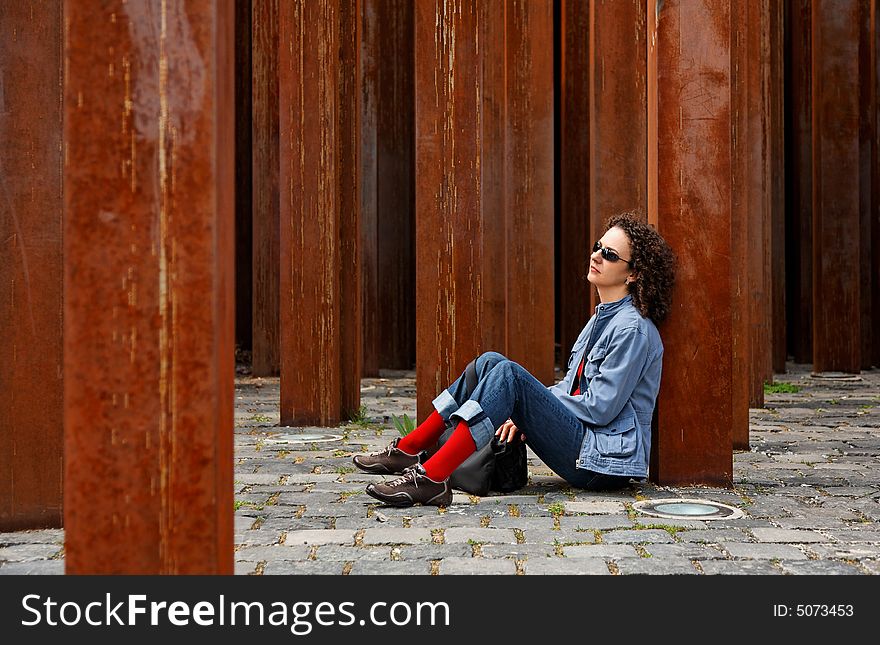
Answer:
[(409, 476)]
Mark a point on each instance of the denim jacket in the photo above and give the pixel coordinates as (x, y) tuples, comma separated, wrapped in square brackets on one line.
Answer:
[(620, 382)]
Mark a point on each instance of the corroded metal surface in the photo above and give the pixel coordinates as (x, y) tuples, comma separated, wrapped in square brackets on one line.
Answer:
[(835, 97), (799, 182), (875, 172), (148, 312), (483, 150), (528, 185), (320, 291), (777, 310), (689, 50), (867, 121), (618, 112), (244, 179), (266, 222), (574, 291), (31, 437), (395, 267)]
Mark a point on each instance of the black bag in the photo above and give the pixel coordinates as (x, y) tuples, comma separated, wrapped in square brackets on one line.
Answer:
[(498, 466)]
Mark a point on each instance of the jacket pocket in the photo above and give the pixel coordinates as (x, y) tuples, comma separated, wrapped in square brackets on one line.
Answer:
[(594, 360), (619, 438)]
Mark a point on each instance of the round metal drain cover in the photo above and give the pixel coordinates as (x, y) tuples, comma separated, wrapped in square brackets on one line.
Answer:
[(835, 376), (303, 437), (688, 509)]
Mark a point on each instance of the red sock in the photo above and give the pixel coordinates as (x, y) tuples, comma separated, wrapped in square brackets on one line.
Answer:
[(459, 447), (424, 436)]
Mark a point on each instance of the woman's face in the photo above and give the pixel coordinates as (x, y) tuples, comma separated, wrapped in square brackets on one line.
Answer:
[(604, 273)]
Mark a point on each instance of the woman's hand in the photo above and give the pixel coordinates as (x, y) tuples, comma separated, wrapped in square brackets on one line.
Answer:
[(507, 431)]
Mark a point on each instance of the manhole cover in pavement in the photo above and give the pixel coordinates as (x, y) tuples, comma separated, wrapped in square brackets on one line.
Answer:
[(688, 509), (303, 437), (835, 376)]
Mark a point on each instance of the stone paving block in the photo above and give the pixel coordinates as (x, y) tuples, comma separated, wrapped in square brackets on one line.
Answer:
[(483, 566), (256, 478), (565, 567), (595, 522), (533, 510), (307, 568), (243, 568), (873, 566), (445, 521), (28, 552), (868, 533), (551, 537), (739, 568), (397, 536), (257, 537), (340, 553), (846, 551), (611, 551), (746, 550), (819, 567), (311, 478), (436, 551), (522, 523), (637, 537), (320, 536), (809, 523), (391, 568), (689, 551), (595, 507), (655, 566), (787, 535), (359, 520), (269, 553), (487, 536), (644, 520), (40, 536), (34, 568), (518, 551)]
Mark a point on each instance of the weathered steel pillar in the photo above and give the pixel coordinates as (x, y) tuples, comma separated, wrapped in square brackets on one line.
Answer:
[(320, 200), (750, 202), (867, 119), (836, 223), (266, 222), (31, 436), (689, 201), (393, 181), (148, 287), (799, 181), (574, 152), (875, 173), (484, 226), (777, 277), (618, 114), (244, 178)]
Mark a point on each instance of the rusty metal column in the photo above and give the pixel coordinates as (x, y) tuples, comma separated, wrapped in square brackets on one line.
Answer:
[(799, 182), (266, 221), (31, 437), (320, 200), (395, 185), (148, 279), (618, 113), (866, 209), (574, 169), (776, 267), (875, 172), (836, 276), (689, 201), (244, 178), (473, 120), (528, 186)]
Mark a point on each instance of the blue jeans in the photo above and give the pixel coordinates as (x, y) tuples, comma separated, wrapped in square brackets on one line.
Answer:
[(506, 390)]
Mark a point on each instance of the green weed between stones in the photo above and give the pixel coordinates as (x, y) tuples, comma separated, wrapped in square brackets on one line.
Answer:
[(556, 509), (780, 388)]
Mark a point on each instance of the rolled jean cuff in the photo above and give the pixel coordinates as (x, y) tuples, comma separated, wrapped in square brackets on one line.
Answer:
[(445, 404), (478, 422)]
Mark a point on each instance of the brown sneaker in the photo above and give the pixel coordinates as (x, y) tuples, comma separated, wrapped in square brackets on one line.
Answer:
[(390, 461), (414, 487)]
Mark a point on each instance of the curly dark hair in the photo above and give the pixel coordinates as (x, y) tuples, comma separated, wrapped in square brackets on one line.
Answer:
[(654, 263)]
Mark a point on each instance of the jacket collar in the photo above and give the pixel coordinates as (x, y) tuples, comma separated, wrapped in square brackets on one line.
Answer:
[(607, 308)]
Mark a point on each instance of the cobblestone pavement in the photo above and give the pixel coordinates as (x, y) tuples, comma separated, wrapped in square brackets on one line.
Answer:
[(809, 489)]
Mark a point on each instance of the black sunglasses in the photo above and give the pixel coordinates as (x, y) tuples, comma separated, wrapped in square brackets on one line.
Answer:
[(608, 254)]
